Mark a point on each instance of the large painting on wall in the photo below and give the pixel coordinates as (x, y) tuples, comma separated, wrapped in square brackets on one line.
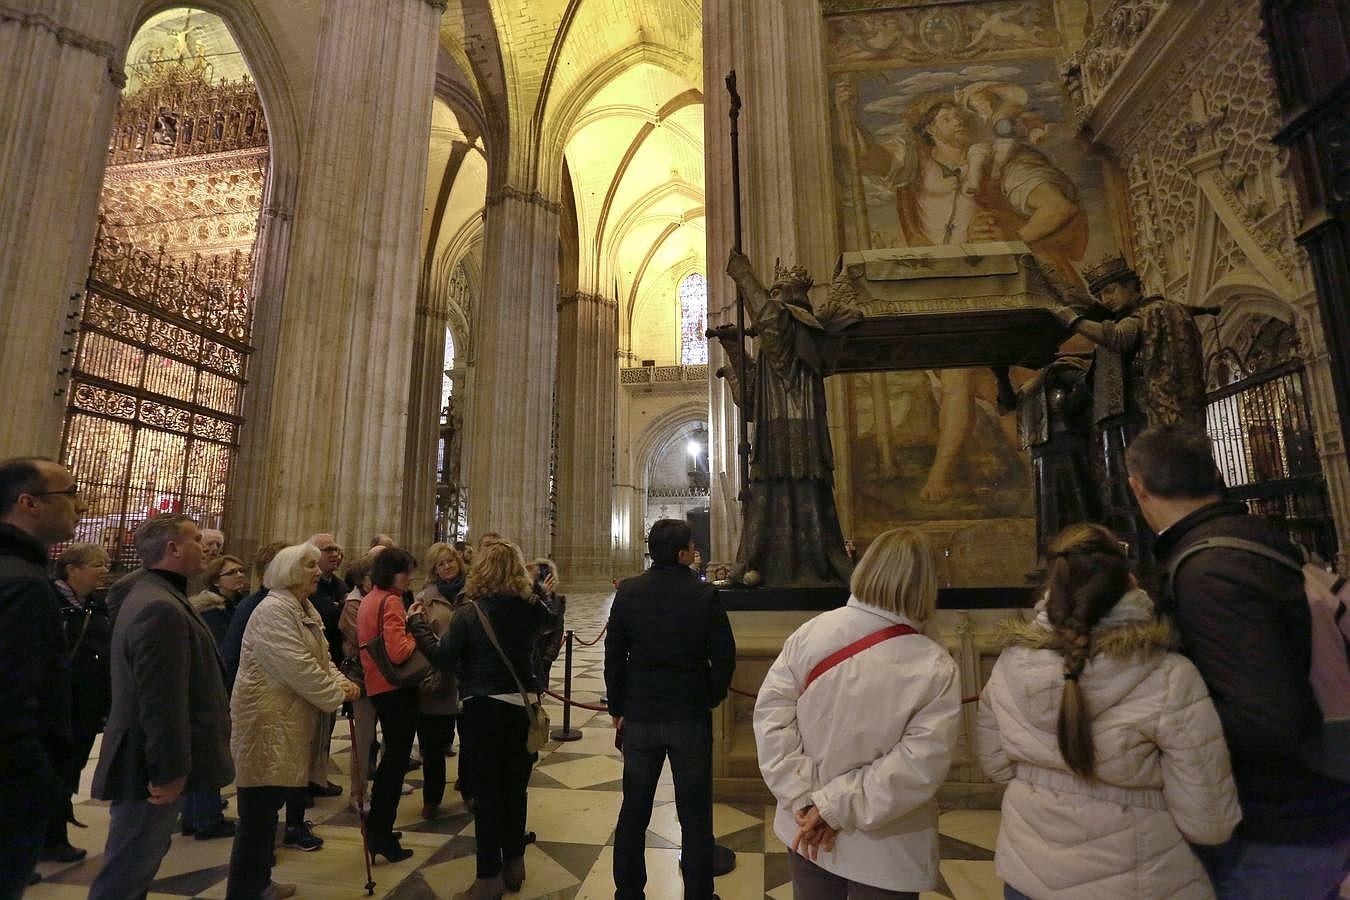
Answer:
[(950, 127)]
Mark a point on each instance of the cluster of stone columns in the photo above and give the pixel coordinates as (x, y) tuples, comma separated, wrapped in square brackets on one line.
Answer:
[(60, 73), (588, 386)]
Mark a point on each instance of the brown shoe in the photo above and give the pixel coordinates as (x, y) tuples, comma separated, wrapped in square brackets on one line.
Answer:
[(483, 889), (513, 873)]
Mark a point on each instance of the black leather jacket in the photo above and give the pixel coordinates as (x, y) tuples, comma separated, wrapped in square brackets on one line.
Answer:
[(465, 649)]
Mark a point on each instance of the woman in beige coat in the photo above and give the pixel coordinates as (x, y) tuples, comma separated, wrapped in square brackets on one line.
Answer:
[(1108, 741), (286, 689)]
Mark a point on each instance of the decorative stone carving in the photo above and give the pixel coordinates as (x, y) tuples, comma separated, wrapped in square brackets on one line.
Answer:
[(1092, 67), (534, 198), (937, 31), (71, 38)]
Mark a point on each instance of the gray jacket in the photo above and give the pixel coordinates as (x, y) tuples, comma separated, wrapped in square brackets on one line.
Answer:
[(170, 714)]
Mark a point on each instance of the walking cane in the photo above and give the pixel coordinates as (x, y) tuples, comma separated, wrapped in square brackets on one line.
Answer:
[(361, 806)]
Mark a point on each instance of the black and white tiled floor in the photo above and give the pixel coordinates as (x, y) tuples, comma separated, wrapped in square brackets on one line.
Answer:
[(574, 802)]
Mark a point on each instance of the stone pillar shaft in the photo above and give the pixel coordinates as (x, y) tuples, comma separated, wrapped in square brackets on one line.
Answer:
[(509, 421), (333, 454), (60, 73), (424, 426), (588, 326)]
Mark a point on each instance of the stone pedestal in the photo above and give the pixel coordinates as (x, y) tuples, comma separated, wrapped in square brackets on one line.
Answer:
[(968, 634), (335, 428), (588, 327), (510, 417), (60, 73)]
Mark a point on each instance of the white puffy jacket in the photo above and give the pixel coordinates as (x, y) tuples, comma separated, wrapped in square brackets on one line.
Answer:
[(286, 687), (1162, 771), (868, 744)]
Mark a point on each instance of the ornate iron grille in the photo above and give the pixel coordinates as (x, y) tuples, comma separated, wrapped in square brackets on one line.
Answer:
[(1259, 420), (153, 416)]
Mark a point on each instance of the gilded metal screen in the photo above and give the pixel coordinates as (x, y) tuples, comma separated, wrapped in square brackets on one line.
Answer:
[(1259, 420), (153, 415)]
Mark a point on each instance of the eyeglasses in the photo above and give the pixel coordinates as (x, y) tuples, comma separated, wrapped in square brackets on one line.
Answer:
[(230, 572), (73, 492)]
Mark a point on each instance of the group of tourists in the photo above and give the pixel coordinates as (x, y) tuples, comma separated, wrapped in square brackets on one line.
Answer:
[(1152, 746)]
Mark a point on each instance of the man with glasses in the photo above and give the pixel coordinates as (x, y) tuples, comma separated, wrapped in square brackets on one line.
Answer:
[(40, 505), (328, 598)]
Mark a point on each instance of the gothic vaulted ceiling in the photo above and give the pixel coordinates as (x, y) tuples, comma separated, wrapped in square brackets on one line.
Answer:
[(608, 88)]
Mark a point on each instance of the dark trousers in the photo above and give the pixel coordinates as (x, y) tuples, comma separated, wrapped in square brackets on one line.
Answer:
[(646, 746), (251, 857), (397, 714), (434, 734), (811, 882), (82, 746), (492, 736), (201, 809), (139, 833)]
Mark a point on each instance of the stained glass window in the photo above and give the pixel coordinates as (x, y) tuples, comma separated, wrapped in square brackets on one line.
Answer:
[(693, 320)]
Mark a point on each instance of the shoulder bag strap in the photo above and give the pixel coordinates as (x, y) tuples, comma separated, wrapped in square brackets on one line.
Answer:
[(379, 627), (858, 646), (1226, 543), (79, 641), (492, 636)]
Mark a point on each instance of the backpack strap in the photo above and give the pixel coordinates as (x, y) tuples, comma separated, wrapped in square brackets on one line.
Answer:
[(1227, 543), (858, 646)]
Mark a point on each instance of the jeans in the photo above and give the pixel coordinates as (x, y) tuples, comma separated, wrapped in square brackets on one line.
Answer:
[(811, 882), (397, 712), (492, 740), (434, 734), (646, 745), (251, 856), (1242, 869), (138, 837), (1012, 893), (201, 809)]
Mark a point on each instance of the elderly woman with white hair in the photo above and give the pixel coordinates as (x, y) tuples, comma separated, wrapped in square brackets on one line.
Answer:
[(285, 691), (854, 726)]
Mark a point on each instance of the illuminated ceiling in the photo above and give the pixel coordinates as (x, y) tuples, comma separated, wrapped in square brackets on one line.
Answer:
[(186, 33), (612, 88)]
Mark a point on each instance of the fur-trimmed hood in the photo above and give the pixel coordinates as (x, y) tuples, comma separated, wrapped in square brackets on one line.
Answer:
[(207, 600), (1127, 645)]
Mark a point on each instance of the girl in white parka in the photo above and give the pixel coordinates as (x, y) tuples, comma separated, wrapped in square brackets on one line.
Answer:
[(1110, 746)]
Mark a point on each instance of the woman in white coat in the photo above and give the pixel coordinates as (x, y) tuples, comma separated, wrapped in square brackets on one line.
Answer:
[(1110, 746), (854, 727), (286, 689)]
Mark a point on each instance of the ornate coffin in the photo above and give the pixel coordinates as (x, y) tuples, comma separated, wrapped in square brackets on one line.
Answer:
[(985, 304)]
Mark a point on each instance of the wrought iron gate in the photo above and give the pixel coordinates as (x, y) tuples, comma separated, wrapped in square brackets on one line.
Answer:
[(1259, 420), (153, 415)]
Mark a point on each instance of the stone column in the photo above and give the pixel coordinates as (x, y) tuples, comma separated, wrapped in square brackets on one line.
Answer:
[(60, 75), (336, 425), (787, 183), (510, 416), (424, 420), (588, 384)]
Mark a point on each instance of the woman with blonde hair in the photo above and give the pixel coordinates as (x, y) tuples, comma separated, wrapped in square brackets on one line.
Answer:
[(854, 726), (438, 708), (488, 646), (1107, 739), (285, 691)]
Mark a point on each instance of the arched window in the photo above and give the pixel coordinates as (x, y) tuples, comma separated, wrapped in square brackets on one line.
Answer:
[(693, 320), (447, 383)]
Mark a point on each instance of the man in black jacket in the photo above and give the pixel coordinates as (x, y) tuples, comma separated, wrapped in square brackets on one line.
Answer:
[(39, 506), (669, 655), (1244, 622)]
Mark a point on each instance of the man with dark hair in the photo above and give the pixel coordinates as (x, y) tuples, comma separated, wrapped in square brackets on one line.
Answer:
[(669, 655), (169, 727), (1244, 622), (39, 506)]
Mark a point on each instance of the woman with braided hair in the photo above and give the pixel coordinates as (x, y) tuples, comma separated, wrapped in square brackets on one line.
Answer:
[(1106, 737)]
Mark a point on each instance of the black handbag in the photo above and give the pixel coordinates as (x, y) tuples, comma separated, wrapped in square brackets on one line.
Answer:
[(411, 673)]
